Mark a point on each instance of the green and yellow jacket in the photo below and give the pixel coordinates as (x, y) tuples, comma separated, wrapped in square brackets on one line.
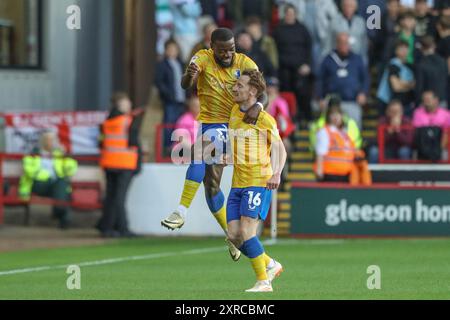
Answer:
[(33, 171), (350, 124)]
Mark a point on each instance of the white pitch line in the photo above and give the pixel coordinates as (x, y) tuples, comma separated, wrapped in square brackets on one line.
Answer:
[(159, 255)]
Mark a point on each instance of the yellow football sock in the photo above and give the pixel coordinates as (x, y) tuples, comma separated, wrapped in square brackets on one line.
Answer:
[(266, 259), (259, 266), (221, 217), (189, 191)]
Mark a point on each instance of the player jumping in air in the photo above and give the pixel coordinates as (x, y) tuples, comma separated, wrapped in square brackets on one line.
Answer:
[(258, 159), (215, 71)]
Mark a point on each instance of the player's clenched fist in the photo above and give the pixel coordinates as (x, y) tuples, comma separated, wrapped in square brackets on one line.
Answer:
[(193, 70)]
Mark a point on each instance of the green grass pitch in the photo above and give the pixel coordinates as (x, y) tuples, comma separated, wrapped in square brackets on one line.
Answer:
[(199, 268)]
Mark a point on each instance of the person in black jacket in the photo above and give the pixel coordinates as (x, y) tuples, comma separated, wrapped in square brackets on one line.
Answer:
[(431, 72), (113, 222), (246, 46), (294, 48), (167, 79)]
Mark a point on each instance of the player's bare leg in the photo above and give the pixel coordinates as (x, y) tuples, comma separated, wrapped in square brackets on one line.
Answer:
[(194, 178), (216, 203)]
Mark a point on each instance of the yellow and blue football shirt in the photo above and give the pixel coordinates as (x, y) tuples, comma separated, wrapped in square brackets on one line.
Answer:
[(215, 83)]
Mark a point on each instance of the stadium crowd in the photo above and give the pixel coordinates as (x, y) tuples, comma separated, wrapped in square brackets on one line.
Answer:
[(314, 50)]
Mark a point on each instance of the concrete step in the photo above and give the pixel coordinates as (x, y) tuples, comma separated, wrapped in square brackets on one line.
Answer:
[(301, 176)]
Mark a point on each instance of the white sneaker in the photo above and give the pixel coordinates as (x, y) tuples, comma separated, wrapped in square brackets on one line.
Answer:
[(275, 271), (261, 286), (174, 221), (235, 253)]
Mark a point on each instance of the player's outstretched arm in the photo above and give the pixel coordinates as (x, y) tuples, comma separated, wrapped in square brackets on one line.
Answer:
[(278, 160), (190, 76)]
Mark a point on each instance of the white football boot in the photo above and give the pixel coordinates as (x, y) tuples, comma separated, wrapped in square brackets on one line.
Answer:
[(274, 271), (174, 221), (261, 286)]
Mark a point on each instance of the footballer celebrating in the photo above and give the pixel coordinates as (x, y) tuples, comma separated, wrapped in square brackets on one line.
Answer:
[(215, 71), (258, 159)]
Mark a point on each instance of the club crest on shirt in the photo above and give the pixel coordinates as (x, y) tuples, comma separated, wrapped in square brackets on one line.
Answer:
[(237, 73)]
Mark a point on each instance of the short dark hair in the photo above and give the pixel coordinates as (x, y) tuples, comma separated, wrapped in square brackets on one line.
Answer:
[(169, 42), (256, 80), (401, 43), (251, 20), (427, 42), (222, 34), (407, 14)]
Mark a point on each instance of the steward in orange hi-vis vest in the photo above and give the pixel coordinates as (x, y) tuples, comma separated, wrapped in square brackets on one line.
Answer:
[(339, 161), (116, 153)]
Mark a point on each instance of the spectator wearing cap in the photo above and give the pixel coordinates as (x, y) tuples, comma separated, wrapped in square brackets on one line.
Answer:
[(294, 48), (397, 82), (398, 136), (344, 73), (431, 72)]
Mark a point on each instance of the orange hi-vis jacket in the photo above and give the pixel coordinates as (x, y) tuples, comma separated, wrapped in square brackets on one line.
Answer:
[(115, 153), (340, 158)]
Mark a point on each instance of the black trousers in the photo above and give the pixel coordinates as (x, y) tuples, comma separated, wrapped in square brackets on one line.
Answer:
[(58, 189), (114, 217), (333, 178), (301, 86)]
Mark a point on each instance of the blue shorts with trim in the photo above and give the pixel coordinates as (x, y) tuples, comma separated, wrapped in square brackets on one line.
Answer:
[(217, 133), (252, 202)]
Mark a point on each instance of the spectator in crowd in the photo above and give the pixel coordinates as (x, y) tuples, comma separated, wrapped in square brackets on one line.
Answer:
[(352, 24), (375, 47), (316, 15), (205, 43), (186, 32), (344, 73), (121, 160), (47, 174), (244, 44), (242, 9), (426, 22), (407, 28), (335, 151), (398, 136), (431, 123), (431, 72), (263, 42), (294, 48), (279, 109), (388, 34), (443, 28), (168, 79), (188, 121), (398, 81), (350, 125), (430, 114)]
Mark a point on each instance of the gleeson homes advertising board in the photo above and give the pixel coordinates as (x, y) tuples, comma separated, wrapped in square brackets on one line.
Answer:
[(374, 211)]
